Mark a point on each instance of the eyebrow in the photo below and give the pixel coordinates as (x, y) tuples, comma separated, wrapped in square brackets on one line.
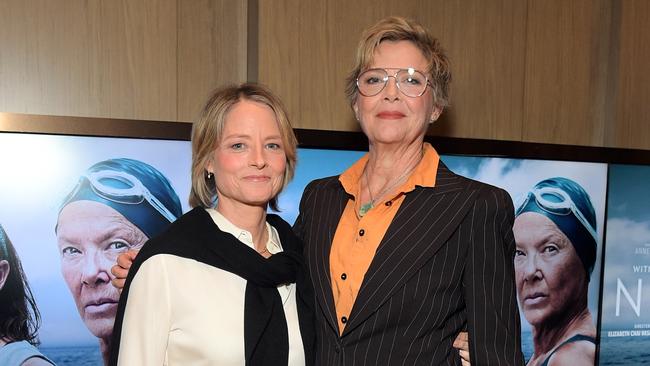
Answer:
[(234, 136), (117, 227)]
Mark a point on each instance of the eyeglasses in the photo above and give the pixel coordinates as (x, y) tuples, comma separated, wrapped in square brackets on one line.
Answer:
[(132, 191), (410, 82), (557, 202)]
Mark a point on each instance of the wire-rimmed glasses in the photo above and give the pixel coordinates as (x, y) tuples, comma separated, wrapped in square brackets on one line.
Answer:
[(410, 82)]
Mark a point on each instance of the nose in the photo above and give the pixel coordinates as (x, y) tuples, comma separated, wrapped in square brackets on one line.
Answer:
[(257, 157), (391, 91), (530, 269), (95, 271)]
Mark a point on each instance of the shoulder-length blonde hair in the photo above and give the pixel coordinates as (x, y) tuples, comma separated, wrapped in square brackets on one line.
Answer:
[(401, 29), (207, 133)]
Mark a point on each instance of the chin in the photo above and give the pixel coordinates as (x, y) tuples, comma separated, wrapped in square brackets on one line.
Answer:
[(101, 328), (535, 318), (258, 199)]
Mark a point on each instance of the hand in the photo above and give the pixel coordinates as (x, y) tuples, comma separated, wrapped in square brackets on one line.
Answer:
[(121, 269), (462, 345)]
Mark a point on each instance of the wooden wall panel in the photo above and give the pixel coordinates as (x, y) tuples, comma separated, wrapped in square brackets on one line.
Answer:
[(306, 49), (485, 41), (280, 55), (89, 58), (212, 50), (631, 124), (566, 71)]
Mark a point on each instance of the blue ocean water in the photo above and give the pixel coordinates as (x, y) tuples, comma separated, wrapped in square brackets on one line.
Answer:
[(527, 344), (614, 351), (74, 356), (628, 351)]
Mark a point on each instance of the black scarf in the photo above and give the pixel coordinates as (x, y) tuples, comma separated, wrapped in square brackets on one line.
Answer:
[(266, 340)]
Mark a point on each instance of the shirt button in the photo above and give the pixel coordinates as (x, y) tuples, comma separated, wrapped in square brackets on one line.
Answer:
[(361, 232), (389, 203), (344, 320), (343, 276)]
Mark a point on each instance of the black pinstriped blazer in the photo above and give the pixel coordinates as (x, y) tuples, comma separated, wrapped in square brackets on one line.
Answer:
[(444, 264)]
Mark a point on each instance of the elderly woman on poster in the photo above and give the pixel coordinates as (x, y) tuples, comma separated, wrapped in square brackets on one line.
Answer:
[(555, 231), (116, 205)]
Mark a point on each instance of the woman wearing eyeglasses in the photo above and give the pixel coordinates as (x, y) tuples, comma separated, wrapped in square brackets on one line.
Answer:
[(226, 284), (555, 231), (403, 253), (19, 316), (116, 205)]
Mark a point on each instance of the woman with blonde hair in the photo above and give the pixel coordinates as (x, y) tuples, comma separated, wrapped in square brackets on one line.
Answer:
[(225, 284)]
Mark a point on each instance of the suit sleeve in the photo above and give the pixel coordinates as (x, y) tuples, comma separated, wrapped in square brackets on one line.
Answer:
[(147, 316), (299, 224), (489, 283)]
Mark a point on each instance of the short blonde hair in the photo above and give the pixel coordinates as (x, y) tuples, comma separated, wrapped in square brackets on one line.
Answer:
[(208, 130), (401, 29)]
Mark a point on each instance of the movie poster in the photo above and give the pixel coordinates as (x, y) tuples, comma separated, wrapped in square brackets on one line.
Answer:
[(42, 172), (625, 335), (518, 177), (70, 280)]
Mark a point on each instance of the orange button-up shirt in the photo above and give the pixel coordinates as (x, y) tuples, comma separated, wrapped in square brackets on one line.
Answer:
[(357, 238)]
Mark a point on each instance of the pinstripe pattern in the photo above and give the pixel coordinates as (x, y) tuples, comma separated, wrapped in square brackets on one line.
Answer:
[(444, 264)]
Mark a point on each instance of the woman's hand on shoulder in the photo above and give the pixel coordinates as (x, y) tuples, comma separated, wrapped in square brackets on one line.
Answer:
[(121, 269), (461, 343)]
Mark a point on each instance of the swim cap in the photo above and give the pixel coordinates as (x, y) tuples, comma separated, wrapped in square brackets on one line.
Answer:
[(135, 189), (567, 204)]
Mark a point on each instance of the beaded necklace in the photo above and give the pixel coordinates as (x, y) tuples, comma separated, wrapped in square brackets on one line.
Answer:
[(369, 205)]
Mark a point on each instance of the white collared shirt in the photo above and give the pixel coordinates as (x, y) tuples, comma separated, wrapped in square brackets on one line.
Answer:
[(184, 312)]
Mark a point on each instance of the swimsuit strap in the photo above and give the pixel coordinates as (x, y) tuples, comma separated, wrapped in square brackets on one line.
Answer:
[(575, 338)]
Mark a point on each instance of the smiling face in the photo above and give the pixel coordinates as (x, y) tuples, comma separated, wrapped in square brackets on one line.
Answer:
[(390, 116), (249, 162), (90, 236), (551, 280)]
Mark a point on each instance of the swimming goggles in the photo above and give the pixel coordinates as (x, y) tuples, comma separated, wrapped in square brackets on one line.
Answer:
[(557, 202), (129, 190)]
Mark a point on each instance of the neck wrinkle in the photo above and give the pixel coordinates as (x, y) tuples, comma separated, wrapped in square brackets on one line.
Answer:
[(547, 338), (385, 166)]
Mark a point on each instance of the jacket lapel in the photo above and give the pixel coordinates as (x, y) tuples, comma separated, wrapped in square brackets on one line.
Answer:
[(330, 208), (410, 241)]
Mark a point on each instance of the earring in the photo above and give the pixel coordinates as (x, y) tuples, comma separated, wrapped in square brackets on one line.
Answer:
[(209, 175)]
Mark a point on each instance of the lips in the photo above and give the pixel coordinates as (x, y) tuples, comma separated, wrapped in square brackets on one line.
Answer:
[(257, 178), (535, 298), (100, 305), (391, 115)]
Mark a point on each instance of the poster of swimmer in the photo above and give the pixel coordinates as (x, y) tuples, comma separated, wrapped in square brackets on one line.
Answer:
[(560, 221), (625, 335), (69, 205), (560, 209), (62, 187)]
